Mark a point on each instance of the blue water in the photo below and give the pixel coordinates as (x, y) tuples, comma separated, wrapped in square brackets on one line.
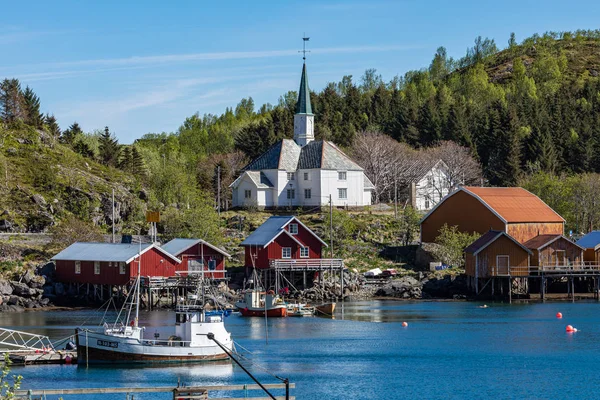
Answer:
[(450, 350)]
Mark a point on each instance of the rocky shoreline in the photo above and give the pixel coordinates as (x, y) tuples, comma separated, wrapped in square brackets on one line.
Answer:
[(36, 290)]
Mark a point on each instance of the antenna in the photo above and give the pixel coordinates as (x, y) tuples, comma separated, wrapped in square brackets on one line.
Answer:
[(304, 51)]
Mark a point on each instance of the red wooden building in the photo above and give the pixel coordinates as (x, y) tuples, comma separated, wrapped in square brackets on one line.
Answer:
[(113, 263), (281, 238), (192, 252)]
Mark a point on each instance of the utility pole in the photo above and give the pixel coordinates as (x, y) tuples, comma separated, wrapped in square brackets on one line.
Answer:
[(113, 215), (331, 225), (219, 190)]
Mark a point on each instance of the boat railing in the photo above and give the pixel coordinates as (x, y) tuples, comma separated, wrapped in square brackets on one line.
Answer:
[(167, 342)]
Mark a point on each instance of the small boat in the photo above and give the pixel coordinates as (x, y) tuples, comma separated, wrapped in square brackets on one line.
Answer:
[(257, 303), (125, 342), (300, 310), (326, 309)]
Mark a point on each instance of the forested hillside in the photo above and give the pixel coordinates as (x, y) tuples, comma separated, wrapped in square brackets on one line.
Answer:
[(531, 109)]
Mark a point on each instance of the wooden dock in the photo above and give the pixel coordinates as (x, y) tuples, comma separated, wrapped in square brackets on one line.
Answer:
[(179, 392), (31, 357)]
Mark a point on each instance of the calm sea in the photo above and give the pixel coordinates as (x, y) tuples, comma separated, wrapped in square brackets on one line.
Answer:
[(450, 350)]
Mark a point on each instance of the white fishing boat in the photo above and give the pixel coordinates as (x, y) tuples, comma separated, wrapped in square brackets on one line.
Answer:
[(125, 342)]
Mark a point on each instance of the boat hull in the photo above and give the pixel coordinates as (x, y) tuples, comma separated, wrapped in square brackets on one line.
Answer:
[(96, 348), (260, 312), (326, 309)]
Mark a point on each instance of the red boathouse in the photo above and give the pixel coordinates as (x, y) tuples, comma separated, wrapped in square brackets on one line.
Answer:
[(113, 263), (192, 253), (281, 238)]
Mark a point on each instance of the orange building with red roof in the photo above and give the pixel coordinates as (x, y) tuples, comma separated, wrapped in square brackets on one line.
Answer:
[(512, 210)]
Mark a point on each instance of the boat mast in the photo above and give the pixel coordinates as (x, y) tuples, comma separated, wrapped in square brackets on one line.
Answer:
[(137, 289)]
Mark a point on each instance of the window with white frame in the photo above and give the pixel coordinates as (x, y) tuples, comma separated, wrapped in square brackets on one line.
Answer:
[(427, 204), (304, 252), (286, 252), (291, 193), (110, 263), (290, 176), (122, 268), (96, 267), (77, 267), (307, 193), (247, 194), (307, 176), (294, 229), (341, 175), (342, 193)]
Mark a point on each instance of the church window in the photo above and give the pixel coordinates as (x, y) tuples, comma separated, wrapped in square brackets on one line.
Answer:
[(248, 194), (286, 252), (290, 176), (342, 193), (306, 176), (341, 175), (307, 193), (291, 193)]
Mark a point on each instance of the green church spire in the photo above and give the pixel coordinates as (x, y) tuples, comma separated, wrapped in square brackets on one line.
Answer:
[(303, 106)]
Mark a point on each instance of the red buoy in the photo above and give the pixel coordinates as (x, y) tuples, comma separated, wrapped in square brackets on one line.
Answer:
[(405, 324), (68, 360), (570, 328), (558, 315)]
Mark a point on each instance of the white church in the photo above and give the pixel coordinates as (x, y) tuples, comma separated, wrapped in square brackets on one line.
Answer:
[(302, 172)]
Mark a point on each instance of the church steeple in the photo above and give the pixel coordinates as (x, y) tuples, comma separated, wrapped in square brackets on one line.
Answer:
[(303, 106), (304, 129)]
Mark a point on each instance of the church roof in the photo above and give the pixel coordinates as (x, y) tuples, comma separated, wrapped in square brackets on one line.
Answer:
[(303, 105), (289, 156)]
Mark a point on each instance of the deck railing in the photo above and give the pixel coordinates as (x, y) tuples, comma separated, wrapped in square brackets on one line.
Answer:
[(569, 268), (307, 264)]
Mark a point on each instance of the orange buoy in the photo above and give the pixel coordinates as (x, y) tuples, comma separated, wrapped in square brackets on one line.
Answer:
[(570, 328), (405, 324), (558, 315)]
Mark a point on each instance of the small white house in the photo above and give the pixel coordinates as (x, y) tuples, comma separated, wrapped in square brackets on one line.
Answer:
[(302, 172), (430, 182)]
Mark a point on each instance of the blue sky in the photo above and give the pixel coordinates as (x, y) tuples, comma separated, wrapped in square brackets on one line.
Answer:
[(144, 66)]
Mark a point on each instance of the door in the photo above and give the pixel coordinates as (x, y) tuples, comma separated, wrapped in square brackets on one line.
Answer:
[(502, 263), (561, 258)]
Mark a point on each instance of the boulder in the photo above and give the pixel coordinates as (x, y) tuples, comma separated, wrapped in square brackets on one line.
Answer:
[(13, 300), (6, 288), (20, 289), (39, 200)]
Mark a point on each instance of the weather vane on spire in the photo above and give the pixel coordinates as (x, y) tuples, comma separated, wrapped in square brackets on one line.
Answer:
[(304, 51)]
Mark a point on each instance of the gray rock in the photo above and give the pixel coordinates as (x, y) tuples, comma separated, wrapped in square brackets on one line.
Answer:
[(39, 200), (13, 300), (6, 288), (20, 289)]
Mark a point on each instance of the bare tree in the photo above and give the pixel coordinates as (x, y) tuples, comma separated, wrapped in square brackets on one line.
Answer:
[(383, 159), (229, 166), (463, 168)]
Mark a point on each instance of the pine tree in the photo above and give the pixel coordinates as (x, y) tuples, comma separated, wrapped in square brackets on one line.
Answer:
[(12, 103), (138, 167), (109, 148), (69, 135), (83, 148), (52, 126), (31, 103), (125, 161)]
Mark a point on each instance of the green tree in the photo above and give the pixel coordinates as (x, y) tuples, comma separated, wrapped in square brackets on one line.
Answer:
[(31, 103), (52, 126), (451, 244), (8, 389), (109, 148), (12, 102), (69, 135)]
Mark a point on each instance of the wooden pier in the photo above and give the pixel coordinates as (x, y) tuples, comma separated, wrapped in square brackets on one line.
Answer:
[(43, 357), (179, 392), (539, 277)]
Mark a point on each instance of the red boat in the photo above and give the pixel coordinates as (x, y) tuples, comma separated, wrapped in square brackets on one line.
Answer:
[(256, 303)]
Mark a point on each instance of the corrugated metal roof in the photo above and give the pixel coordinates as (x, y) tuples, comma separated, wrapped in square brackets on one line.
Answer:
[(115, 252), (267, 231), (515, 204), (179, 245), (590, 240)]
